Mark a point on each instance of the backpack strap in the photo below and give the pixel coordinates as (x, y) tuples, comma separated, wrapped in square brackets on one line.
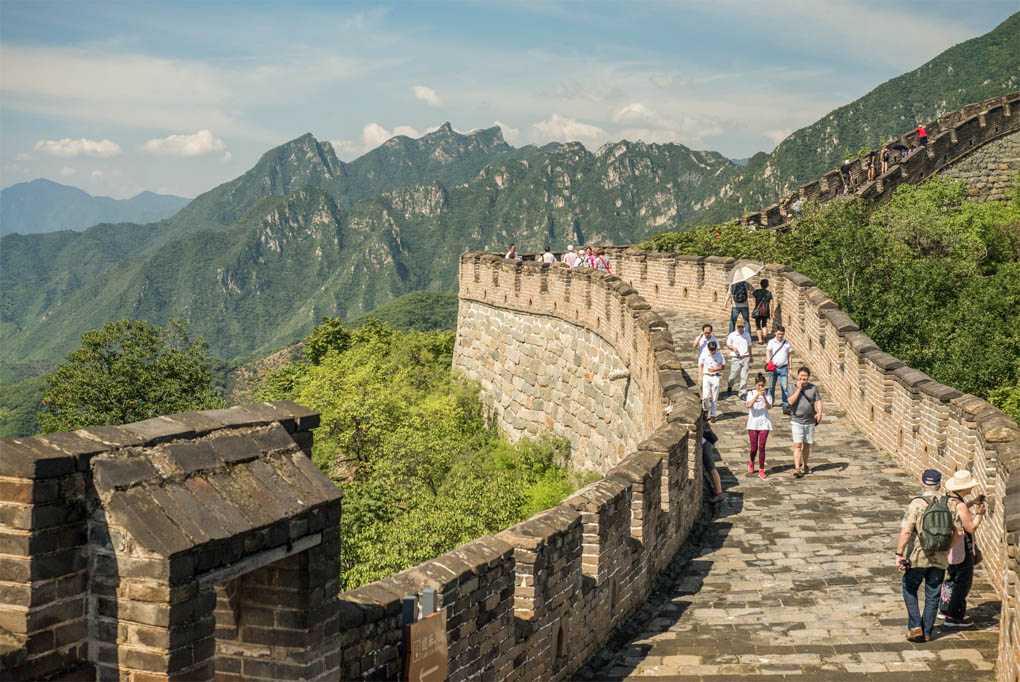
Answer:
[(909, 549)]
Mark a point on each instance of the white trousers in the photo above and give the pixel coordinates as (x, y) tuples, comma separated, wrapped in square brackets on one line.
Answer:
[(709, 392)]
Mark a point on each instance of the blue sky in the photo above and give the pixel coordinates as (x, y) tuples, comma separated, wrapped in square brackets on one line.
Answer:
[(117, 97)]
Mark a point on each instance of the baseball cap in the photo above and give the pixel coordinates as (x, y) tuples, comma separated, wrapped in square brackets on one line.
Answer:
[(931, 477)]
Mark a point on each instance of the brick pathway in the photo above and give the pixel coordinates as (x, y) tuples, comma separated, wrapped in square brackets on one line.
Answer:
[(793, 578)]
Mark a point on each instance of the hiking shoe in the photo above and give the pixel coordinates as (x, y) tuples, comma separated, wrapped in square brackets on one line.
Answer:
[(940, 615), (762, 474), (915, 635), (719, 497), (798, 473), (805, 470), (958, 622)]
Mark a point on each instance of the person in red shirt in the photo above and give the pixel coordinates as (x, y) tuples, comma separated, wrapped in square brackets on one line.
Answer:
[(922, 136)]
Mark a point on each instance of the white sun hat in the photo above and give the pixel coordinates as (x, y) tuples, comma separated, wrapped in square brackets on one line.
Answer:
[(961, 480)]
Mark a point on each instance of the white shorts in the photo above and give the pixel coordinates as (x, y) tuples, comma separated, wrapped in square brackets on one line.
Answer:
[(803, 433)]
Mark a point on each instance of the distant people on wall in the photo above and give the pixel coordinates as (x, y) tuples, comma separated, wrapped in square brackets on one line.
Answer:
[(711, 363), (740, 346), (798, 207), (548, 256), (512, 253), (885, 160), (570, 257), (922, 136), (601, 261), (759, 402), (806, 413), (777, 362), (739, 293), (762, 312), (582, 259), (708, 441), (869, 165), (846, 174)]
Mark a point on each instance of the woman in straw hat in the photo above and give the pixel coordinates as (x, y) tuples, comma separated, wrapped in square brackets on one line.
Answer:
[(960, 573)]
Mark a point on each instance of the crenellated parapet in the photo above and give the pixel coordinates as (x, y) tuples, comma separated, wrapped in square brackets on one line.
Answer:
[(951, 139)]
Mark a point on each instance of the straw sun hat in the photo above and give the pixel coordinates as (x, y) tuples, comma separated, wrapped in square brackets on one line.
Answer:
[(961, 480)]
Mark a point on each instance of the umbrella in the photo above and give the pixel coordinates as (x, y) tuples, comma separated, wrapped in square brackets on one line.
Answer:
[(743, 271)]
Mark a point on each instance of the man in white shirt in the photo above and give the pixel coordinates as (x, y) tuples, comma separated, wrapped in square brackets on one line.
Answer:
[(739, 344), (701, 341), (711, 364), (570, 257), (582, 259), (778, 353), (548, 256)]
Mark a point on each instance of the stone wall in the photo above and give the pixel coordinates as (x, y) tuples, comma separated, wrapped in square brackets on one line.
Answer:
[(918, 421), (951, 138), (991, 172), (535, 601)]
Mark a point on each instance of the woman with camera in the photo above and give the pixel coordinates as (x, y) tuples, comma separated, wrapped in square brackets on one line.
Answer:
[(963, 555)]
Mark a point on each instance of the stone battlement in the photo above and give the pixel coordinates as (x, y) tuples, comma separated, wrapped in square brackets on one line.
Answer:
[(951, 138)]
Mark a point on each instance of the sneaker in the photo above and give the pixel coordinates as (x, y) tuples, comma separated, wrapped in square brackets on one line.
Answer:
[(940, 615), (915, 635), (719, 497), (805, 470), (798, 473), (958, 622), (750, 468), (762, 474)]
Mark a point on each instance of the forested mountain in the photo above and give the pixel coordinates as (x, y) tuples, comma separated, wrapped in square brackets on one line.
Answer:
[(46, 206), (972, 71)]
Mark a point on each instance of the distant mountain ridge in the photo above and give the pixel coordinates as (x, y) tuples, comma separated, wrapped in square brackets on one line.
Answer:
[(46, 206)]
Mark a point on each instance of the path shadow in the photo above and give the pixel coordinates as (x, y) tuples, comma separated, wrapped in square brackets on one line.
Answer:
[(829, 466)]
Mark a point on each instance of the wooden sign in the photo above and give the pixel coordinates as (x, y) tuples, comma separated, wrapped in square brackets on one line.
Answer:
[(426, 649)]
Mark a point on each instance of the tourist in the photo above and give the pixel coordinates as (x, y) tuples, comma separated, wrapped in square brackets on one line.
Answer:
[(777, 362), (548, 256), (885, 160), (708, 440), (806, 412), (739, 293), (922, 136), (710, 365), (582, 259), (846, 174), (739, 343), (960, 573), (798, 207), (928, 530), (601, 262), (759, 401), (762, 309), (869, 165), (570, 257), (702, 339), (512, 253)]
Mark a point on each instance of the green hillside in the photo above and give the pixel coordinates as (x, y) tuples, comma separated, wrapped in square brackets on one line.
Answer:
[(972, 71)]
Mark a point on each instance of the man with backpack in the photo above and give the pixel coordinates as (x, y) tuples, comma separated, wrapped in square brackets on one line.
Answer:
[(739, 293), (929, 529)]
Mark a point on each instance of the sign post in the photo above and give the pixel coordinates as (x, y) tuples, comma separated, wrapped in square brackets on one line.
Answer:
[(426, 654)]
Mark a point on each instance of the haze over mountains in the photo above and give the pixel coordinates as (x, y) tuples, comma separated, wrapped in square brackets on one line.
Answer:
[(255, 262), (45, 206)]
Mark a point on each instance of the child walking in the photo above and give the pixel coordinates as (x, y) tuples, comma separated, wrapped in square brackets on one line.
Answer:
[(758, 423)]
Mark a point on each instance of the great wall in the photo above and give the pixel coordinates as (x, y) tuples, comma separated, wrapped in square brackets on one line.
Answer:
[(205, 545)]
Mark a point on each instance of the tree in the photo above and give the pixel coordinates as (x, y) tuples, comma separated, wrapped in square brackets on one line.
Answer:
[(128, 371)]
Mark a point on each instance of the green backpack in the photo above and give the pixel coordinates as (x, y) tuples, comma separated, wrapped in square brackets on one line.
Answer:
[(937, 528)]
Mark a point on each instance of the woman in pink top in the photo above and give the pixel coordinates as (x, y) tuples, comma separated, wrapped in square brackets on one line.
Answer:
[(758, 423)]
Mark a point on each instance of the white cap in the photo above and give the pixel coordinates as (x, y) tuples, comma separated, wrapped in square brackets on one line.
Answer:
[(570, 248)]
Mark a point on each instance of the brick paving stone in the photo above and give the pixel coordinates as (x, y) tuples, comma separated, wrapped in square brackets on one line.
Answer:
[(793, 578)]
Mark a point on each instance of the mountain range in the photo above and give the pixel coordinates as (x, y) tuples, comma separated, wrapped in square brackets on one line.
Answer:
[(46, 206), (257, 261)]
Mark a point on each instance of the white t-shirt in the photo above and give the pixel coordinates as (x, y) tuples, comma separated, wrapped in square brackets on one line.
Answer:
[(758, 414), (570, 257), (780, 352), (703, 342), (742, 342), (709, 359), (548, 257)]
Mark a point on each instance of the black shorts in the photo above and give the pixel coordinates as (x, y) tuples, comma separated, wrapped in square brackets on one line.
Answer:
[(761, 323), (708, 456)]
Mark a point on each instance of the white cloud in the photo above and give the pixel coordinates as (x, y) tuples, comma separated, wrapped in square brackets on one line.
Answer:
[(777, 135), (21, 156), (97, 175), (427, 95), (511, 135), (67, 172), (374, 135), (409, 131), (201, 143), (563, 129), (80, 147)]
